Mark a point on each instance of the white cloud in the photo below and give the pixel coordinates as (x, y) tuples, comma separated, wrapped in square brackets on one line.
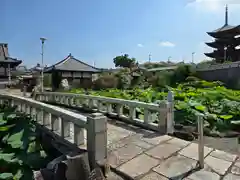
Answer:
[(167, 44), (213, 5), (139, 45)]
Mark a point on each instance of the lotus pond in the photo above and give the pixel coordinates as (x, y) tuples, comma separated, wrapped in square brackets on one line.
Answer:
[(20, 150), (219, 106)]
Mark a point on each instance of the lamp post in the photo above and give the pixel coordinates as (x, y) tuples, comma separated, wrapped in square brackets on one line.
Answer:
[(169, 59), (193, 53), (42, 69), (225, 53), (149, 57), (9, 75)]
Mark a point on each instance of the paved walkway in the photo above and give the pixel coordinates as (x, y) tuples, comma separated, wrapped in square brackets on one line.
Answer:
[(147, 155)]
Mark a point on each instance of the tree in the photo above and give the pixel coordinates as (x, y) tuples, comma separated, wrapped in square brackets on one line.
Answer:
[(124, 61)]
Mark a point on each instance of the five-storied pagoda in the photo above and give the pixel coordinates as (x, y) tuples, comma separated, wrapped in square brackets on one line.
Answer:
[(227, 38)]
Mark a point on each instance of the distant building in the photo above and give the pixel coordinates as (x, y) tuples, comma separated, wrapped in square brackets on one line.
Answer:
[(226, 42), (7, 65), (78, 73)]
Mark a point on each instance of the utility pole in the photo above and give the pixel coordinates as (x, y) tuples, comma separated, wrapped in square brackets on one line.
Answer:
[(149, 57), (193, 53), (42, 76), (169, 59), (225, 53)]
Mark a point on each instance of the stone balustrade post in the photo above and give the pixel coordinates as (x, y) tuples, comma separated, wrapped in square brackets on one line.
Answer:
[(132, 113), (147, 116), (162, 117), (109, 108), (96, 138), (170, 113), (200, 142), (119, 110), (24, 91)]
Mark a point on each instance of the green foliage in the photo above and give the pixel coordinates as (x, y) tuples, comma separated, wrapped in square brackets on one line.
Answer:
[(219, 106), (105, 81), (47, 80), (124, 61), (20, 150)]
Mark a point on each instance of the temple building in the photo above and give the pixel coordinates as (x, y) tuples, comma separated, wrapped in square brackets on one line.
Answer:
[(7, 65), (78, 73), (227, 41)]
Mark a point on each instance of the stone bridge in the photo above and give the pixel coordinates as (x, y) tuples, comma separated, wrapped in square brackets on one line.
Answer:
[(134, 145)]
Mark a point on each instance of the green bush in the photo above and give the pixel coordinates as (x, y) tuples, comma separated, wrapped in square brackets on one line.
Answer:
[(105, 81)]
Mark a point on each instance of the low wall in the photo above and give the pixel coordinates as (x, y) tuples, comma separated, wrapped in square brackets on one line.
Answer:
[(228, 73)]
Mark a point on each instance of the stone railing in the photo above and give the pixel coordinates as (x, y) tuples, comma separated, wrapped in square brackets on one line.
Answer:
[(67, 124), (155, 116)]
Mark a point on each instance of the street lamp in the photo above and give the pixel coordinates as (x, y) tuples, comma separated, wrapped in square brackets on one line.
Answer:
[(225, 53), (9, 74), (193, 53), (149, 57), (169, 59), (42, 77)]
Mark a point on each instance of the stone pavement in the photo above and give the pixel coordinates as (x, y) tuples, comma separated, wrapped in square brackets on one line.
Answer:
[(146, 155)]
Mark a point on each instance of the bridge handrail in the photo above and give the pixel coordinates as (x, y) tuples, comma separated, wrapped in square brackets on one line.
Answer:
[(164, 109), (75, 118), (67, 124), (150, 106)]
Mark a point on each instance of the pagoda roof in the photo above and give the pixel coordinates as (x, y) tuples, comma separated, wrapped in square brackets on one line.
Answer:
[(72, 64), (4, 55), (218, 54), (226, 29), (220, 43)]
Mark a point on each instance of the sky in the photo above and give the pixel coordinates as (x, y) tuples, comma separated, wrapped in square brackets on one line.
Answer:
[(95, 31)]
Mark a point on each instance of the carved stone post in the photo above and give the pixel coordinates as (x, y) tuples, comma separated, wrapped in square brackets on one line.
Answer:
[(170, 113), (96, 138)]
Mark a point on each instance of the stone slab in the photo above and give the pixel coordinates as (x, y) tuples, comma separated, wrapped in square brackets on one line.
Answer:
[(204, 175), (123, 154), (235, 170), (129, 140), (139, 165), (163, 151), (156, 139), (223, 155), (237, 163), (191, 151), (218, 165), (176, 167), (153, 176), (116, 133), (231, 177), (178, 142)]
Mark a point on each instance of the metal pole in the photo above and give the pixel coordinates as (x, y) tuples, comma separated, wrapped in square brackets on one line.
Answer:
[(9, 75), (169, 59), (193, 57), (42, 76), (225, 54), (149, 57), (42, 68), (200, 142)]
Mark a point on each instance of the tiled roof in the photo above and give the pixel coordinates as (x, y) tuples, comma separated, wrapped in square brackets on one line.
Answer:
[(4, 55), (72, 64)]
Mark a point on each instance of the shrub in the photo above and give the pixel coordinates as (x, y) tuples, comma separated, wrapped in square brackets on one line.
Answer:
[(105, 81)]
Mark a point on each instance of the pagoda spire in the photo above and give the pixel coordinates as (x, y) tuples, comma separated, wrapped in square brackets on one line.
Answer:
[(226, 15)]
